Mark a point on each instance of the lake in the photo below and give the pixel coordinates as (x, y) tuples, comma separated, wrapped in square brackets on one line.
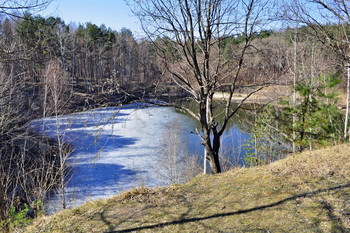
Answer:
[(119, 148)]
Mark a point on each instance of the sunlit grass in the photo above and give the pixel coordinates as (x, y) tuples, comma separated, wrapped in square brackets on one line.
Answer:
[(306, 192)]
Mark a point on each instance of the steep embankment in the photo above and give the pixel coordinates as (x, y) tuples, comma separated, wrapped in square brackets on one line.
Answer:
[(308, 192)]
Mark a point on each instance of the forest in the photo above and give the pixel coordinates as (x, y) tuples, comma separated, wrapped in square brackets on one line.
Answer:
[(49, 68)]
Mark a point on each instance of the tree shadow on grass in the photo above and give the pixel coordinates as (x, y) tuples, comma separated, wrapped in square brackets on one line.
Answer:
[(182, 221), (111, 226), (337, 225)]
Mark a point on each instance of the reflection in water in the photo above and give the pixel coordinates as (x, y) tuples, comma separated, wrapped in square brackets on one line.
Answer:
[(237, 133)]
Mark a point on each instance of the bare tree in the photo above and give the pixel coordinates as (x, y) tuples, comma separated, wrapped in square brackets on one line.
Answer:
[(190, 37), (17, 7), (57, 92), (328, 22), (28, 169)]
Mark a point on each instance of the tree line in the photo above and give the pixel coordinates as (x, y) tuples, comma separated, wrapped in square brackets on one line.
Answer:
[(49, 68), (215, 45), (193, 49)]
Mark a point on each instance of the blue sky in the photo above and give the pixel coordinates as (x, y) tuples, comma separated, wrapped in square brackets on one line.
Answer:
[(113, 13)]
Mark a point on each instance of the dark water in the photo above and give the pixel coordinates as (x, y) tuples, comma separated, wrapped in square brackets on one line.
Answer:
[(236, 135)]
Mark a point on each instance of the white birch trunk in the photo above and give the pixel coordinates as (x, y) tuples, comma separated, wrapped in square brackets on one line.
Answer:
[(346, 133), (294, 85)]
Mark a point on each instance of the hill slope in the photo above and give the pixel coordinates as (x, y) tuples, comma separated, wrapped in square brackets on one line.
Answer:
[(308, 192)]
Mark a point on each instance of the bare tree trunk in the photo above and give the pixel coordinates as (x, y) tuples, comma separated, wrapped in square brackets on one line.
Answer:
[(189, 41), (294, 136), (346, 133), (205, 161), (205, 150), (45, 97)]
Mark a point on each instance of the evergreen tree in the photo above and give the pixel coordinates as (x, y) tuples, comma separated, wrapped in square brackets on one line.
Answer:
[(319, 121)]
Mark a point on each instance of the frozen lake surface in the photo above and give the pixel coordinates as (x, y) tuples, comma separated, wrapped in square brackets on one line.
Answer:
[(116, 149)]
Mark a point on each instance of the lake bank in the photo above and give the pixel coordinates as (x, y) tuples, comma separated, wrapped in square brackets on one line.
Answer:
[(305, 192)]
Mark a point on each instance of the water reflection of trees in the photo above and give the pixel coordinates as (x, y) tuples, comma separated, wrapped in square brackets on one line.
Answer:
[(243, 119), (265, 142)]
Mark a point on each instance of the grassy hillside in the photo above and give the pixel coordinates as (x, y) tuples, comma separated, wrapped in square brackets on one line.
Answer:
[(308, 192)]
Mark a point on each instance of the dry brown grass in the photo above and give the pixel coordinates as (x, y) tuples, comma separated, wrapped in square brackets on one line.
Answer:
[(308, 192), (273, 93)]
